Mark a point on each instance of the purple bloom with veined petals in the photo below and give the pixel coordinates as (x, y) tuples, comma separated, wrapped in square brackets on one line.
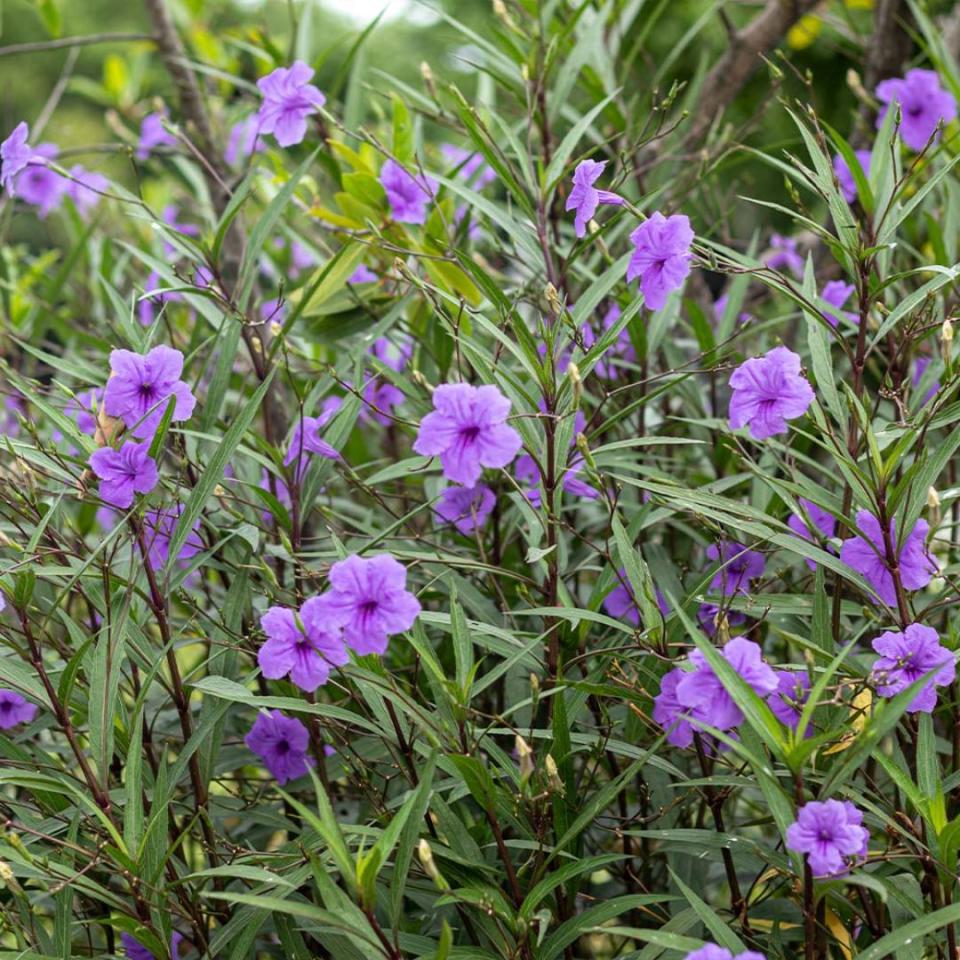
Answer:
[(704, 696), (153, 134), (40, 185), (919, 369), (710, 613), (783, 253), (302, 645), (288, 99), (15, 709), (831, 834), (281, 743), (467, 508), (824, 522), (85, 189), (923, 104), (909, 656), (244, 141), (15, 154), (661, 256), (408, 195), (124, 472), (467, 430), (768, 391), (306, 435), (848, 185), (368, 597), (837, 293), (471, 166), (788, 700), (363, 274), (141, 385), (159, 526), (711, 951), (670, 713), (867, 555), (740, 566), (585, 197)]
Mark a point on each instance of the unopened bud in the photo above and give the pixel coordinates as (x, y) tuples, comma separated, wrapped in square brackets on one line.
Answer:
[(428, 80), (421, 381), (501, 12), (553, 299), (276, 328), (6, 874), (534, 687), (946, 340), (856, 85), (429, 865), (524, 73), (219, 491), (584, 449), (553, 776), (933, 498), (573, 372), (525, 757)]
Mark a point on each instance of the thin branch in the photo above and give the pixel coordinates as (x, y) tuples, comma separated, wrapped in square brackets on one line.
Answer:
[(64, 43)]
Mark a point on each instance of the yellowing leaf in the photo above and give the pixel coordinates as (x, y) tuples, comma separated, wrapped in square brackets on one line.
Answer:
[(860, 705), (840, 933), (804, 32)]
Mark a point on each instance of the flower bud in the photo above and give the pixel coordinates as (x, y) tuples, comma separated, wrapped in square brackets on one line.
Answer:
[(553, 776), (430, 866), (276, 328), (428, 80), (946, 340), (525, 756), (534, 686), (553, 299), (573, 372)]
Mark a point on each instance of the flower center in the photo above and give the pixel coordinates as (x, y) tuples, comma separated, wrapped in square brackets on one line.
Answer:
[(470, 434), (283, 746)]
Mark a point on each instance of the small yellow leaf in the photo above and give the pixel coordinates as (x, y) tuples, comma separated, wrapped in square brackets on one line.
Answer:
[(860, 709), (804, 32)]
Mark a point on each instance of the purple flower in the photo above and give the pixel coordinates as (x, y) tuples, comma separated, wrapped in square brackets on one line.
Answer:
[(145, 309), (408, 195), (670, 713), (363, 274), (867, 555), (909, 656), (711, 951), (288, 99), (244, 141), (82, 409), (281, 743), (661, 256), (135, 950), (768, 391), (740, 566), (368, 597), (124, 472), (919, 368), (301, 258), (621, 604), (701, 698), (15, 154), (621, 349), (527, 471), (40, 185), (836, 293), (392, 355), (159, 526), (171, 217), (380, 397), (472, 168), (140, 386), (302, 645), (720, 308), (467, 430), (14, 709), (153, 134), (783, 253), (788, 700), (585, 197), (848, 185), (282, 490), (709, 615), (10, 412), (831, 834), (467, 508), (306, 436), (85, 188), (824, 522), (923, 104)]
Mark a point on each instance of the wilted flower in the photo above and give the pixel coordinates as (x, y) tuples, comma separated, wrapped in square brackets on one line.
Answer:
[(15, 154), (153, 134), (14, 709), (244, 140), (585, 197), (824, 522), (303, 645), (787, 701), (867, 555), (368, 597), (140, 386), (288, 99), (768, 391), (836, 293), (661, 256), (831, 834), (909, 656), (281, 742), (783, 253), (467, 508), (408, 195), (124, 472), (467, 430), (739, 567), (848, 185), (306, 435), (923, 105)]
